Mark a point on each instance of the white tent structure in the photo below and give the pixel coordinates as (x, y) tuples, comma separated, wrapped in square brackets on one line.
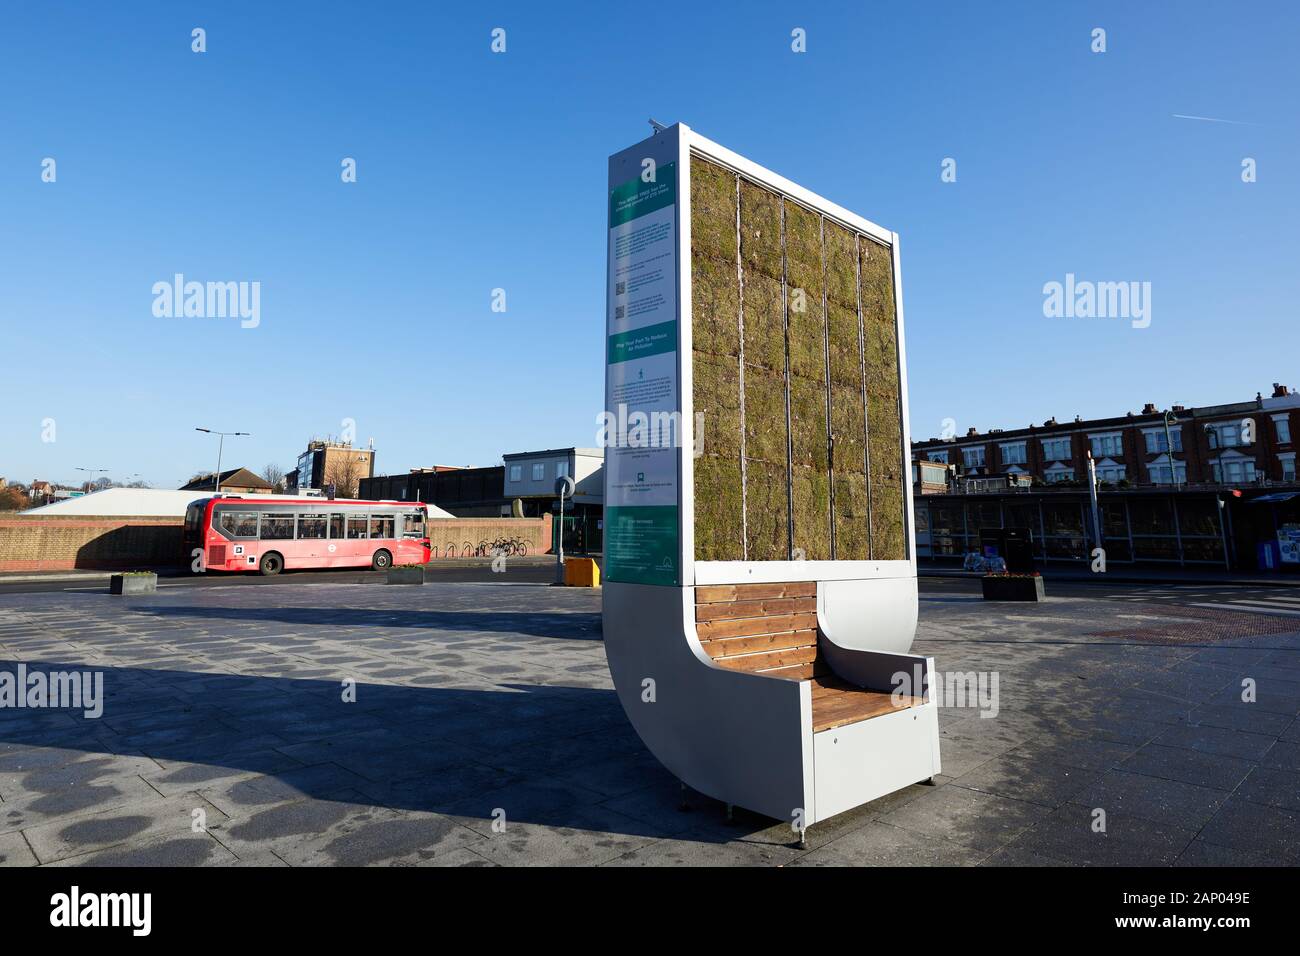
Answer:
[(154, 503)]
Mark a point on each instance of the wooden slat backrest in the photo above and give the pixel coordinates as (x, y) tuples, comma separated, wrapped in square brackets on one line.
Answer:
[(771, 630)]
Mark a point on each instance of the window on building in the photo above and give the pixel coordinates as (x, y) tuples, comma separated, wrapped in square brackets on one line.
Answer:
[(1056, 449), (516, 472), (1111, 473), (1283, 426), (939, 456), (1013, 453), (973, 457), (1226, 435), (1157, 443), (276, 527), (539, 471), (1109, 445), (312, 525), (1059, 474), (561, 469), (1233, 470), (1288, 466), (1160, 475)]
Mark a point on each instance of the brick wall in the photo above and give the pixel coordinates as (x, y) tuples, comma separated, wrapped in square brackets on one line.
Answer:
[(462, 531), (32, 543)]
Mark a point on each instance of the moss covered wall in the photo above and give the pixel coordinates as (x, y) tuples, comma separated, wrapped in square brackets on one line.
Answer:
[(793, 323)]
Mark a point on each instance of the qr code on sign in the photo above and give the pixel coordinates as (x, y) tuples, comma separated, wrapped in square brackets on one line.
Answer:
[(620, 288), (618, 311)]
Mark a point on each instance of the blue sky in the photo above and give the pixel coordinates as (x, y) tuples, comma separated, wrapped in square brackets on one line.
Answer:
[(478, 171)]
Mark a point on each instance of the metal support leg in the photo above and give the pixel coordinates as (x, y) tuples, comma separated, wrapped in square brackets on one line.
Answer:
[(803, 838), (731, 813)]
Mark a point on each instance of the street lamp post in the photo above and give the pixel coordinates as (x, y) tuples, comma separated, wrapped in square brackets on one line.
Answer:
[(221, 442), (90, 482), (1171, 419)]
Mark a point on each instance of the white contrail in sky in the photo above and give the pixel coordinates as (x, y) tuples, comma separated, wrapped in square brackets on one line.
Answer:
[(1213, 119)]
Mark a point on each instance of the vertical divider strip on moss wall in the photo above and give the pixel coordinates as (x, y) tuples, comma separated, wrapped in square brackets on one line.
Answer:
[(789, 434), (862, 362), (740, 323), (830, 422)]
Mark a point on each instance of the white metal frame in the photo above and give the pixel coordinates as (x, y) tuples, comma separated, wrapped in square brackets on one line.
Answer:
[(766, 572)]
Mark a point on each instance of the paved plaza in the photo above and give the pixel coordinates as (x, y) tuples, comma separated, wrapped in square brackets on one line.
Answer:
[(485, 730)]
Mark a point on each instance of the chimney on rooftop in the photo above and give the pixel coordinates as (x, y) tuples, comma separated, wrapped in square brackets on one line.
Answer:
[(1149, 408), (1050, 422), (972, 432), (1279, 390)]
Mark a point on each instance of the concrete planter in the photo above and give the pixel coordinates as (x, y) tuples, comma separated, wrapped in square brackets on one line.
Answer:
[(1010, 588), (406, 575), (133, 584)]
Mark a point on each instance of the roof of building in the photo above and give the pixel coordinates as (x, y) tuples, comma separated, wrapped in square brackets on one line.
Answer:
[(585, 452), (238, 477), (142, 502)]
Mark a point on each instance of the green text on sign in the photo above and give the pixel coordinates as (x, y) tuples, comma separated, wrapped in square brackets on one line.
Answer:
[(640, 343), (636, 198)]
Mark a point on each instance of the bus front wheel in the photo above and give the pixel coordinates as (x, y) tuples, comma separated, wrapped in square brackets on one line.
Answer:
[(271, 564), (382, 561)]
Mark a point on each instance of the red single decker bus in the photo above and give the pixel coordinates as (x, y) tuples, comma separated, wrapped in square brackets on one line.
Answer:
[(268, 534)]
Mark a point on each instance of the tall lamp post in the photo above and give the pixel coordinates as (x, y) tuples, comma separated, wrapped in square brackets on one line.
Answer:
[(90, 482), (1171, 419), (221, 442)]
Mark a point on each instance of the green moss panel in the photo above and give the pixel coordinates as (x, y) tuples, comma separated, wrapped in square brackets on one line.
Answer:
[(764, 325), (760, 230), (715, 306), (713, 210), (841, 276), (884, 420)]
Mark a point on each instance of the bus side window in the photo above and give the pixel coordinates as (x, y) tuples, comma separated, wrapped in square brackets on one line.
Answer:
[(413, 525), (356, 526), (336, 526), (381, 526)]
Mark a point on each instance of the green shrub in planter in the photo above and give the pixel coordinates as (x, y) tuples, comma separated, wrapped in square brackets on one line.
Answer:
[(406, 574), (1005, 586), (133, 582)]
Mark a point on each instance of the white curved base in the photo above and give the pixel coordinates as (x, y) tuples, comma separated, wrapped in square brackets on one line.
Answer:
[(747, 739)]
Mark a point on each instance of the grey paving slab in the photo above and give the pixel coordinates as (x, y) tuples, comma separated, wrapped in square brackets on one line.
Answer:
[(982, 821), (1189, 766), (1162, 801), (14, 851), (1022, 778), (1242, 824), (1068, 834), (879, 844)]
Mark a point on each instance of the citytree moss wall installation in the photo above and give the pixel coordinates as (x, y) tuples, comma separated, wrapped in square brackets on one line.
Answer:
[(758, 344), (884, 415), (715, 305)]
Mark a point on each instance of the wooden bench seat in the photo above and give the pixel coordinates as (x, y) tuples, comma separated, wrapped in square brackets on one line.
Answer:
[(771, 630)]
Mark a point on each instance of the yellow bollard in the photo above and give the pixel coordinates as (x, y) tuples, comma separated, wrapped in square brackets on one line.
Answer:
[(581, 573)]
